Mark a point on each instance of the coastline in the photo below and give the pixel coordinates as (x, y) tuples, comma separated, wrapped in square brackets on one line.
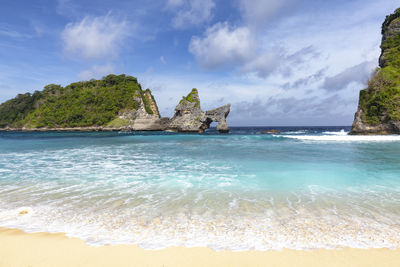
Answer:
[(18, 248), (68, 129)]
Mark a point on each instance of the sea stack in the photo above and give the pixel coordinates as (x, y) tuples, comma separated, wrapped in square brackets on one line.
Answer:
[(188, 116), (114, 103), (147, 117), (379, 104)]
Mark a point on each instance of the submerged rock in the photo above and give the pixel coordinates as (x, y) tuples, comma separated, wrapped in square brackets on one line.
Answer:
[(188, 116), (271, 132)]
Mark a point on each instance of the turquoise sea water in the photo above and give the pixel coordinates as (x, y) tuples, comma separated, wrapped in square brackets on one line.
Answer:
[(305, 188)]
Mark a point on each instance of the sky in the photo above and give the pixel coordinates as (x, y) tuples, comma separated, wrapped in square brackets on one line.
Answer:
[(277, 62)]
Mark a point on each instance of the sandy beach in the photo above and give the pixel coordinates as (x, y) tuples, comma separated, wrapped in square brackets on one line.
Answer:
[(43, 249)]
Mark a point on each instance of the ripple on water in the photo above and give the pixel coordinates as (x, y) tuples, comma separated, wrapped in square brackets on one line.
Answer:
[(235, 192)]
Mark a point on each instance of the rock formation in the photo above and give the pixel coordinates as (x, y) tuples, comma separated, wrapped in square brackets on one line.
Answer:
[(189, 117), (219, 115), (114, 103), (146, 117), (379, 105), (270, 132)]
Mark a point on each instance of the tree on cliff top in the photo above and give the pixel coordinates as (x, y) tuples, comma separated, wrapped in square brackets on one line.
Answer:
[(80, 104)]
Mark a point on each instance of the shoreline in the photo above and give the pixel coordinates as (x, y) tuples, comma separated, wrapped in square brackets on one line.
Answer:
[(18, 248), (91, 129), (72, 129)]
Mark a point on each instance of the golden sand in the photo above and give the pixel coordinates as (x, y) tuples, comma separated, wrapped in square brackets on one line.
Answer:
[(43, 249)]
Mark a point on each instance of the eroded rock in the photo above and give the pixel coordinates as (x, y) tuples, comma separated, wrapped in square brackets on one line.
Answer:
[(270, 132), (378, 109), (188, 116), (146, 117)]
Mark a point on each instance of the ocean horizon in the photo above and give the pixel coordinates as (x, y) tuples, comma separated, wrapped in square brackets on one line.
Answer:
[(305, 188)]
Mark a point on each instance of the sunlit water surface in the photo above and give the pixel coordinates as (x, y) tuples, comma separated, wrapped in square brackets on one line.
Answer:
[(305, 188)]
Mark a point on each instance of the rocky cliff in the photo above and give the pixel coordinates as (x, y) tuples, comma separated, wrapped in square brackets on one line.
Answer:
[(146, 117), (189, 117), (379, 104), (115, 103)]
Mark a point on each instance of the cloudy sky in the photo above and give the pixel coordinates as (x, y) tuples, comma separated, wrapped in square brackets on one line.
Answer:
[(278, 62)]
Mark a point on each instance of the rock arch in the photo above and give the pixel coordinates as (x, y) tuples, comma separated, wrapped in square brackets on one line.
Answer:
[(188, 116)]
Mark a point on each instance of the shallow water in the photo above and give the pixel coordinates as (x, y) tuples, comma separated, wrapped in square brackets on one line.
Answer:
[(305, 188)]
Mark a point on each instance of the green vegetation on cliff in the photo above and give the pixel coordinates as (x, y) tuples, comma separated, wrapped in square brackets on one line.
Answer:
[(147, 99), (380, 102), (80, 104), (15, 110), (192, 97), (389, 19)]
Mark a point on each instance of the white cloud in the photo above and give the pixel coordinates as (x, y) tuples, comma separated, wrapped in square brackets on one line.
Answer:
[(263, 65), (174, 3), (213, 93), (257, 12), (163, 61), (38, 28), (190, 12), (94, 37), (286, 68), (68, 8), (222, 45), (97, 71), (359, 73), (244, 47), (225, 46)]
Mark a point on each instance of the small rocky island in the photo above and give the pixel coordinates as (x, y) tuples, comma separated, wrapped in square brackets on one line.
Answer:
[(114, 103), (379, 105), (189, 117)]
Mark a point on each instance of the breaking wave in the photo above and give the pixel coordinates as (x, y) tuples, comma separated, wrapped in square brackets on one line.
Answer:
[(235, 192)]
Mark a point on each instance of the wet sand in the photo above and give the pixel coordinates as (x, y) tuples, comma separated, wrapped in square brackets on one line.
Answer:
[(43, 249)]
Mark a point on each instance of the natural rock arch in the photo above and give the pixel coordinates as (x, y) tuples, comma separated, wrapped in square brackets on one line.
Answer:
[(218, 115), (188, 116)]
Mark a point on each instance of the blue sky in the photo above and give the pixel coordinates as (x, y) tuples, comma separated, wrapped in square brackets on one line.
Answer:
[(286, 62)]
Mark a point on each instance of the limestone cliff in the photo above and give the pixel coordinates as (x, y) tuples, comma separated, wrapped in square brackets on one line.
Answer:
[(219, 115), (114, 103), (189, 117), (379, 105), (146, 117)]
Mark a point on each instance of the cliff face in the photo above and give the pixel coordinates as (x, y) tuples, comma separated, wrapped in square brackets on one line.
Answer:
[(379, 105), (147, 116), (189, 117), (111, 104)]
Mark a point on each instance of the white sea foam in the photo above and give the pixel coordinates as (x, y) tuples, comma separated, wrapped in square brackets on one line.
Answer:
[(340, 133), (221, 197), (293, 222), (295, 132), (345, 138)]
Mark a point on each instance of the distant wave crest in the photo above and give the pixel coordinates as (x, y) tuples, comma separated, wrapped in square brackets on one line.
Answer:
[(345, 137)]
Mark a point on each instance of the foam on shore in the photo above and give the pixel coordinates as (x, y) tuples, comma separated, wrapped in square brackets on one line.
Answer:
[(45, 250), (343, 136), (225, 192), (319, 220)]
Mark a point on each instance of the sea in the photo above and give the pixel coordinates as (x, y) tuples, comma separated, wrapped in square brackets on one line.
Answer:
[(305, 188)]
